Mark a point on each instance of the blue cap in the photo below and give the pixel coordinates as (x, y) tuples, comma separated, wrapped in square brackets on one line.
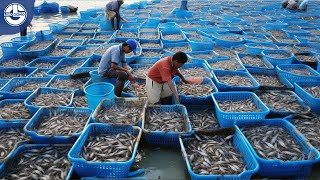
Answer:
[(133, 44)]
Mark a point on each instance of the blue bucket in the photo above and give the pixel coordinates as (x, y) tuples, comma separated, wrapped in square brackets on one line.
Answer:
[(98, 91)]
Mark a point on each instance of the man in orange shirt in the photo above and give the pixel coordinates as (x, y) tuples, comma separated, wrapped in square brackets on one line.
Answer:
[(159, 85)]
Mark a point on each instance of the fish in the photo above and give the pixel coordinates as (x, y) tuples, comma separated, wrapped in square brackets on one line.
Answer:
[(313, 90), (126, 34), (234, 80), (38, 45), (239, 106), (83, 53), (226, 65), (150, 45), (149, 35), (52, 99), (69, 84), (28, 86), (80, 101), (58, 52), (194, 89), (14, 111)]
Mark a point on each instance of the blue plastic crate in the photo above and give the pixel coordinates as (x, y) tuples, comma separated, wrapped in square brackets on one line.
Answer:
[(78, 41), (227, 43), (275, 25), (277, 168), (135, 31), (145, 61), (12, 101), (226, 60), (256, 38), (306, 108), (96, 42), (225, 87), (74, 50), (37, 119), (166, 139), (227, 119), (252, 48), (33, 109), (310, 47), (276, 61), (307, 97), (103, 47), (56, 27), (6, 167), (212, 31), (157, 45), (62, 78), (92, 62), (64, 63), (184, 99), (295, 31), (107, 34), (52, 61), (35, 53), (155, 39), (239, 143), (78, 94), (10, 49), (102, 169), (176, 32), (283, 73), (17, 82), (202, 66), (208, 55), (312, 64), (26, 70), (201, 45)]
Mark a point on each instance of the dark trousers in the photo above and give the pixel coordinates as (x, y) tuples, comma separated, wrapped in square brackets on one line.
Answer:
[(121, 76), (23, 32)]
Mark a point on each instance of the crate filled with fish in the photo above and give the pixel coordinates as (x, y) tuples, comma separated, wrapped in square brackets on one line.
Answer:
[(11, 137), (290, 48), (62, 35), (218, 154), (276, 57), (150, 44), (131, 91), (103, 35), (140, 71), (254, 61), (37, 48), (38, 161), (172, 36), (149, 35), (23, 87), (164, 124), (200, 90), (92, 62), (201, 56), (195, 70), (176, 47), (89, 157), (87, 70), (257, 48), (66, 66), (126, 34), (47, 97), (88, 30), (239, 48), (269, 80), (57, 53), (40, 73), (225, 64), (14, 62), (82, 36), (96, 42), (256, 38), (283, 102), (70, 43), (11, 72), (224, 52), (240, 106), (202, 115), (286, 40), (103, 48), (153, 53), (280, 150), (310, 93), (80, 100), (71, 29), (65, 82), (131, 25), (82, 51), (306, 58), (297, 72), (121, 111), (228, 40), (57, 125), (234, 81), (43, 63)]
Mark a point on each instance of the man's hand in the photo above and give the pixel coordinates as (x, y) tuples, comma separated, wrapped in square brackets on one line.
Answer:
[(177, 99), (124, 20), (131, 78), (185, 81), (137, 86)]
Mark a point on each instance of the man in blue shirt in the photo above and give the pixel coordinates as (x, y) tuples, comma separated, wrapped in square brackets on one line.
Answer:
[(113, 11), (111, 61)]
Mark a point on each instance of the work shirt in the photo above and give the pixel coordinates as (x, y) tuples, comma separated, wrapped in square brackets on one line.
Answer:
[(114, 54), (112, 6), (162, 71)]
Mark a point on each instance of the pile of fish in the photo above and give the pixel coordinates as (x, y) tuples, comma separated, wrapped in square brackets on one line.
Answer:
[(52, 99), (67, 84), (177, 49), (309, 126), (253, 60), (90, 25), (88, 30), (150, 45), (50, 162), (203, 56), (278, 55), (83, 53), (305, 58), (272, 142), (301, 71), (267, 80), (313, 90), (139, 92), (70, 43), (29, 86), (9, 75), (127, 34), (151, 53), (126, 114), (286, 40), (14, 63), (103, 36), (38, 45), (226, 65), (193, 89), (39, 73), (247, 105), (214, 155), (277, 33), (109, 147), (9, 138), (193, 72), (140, 72), (61, 123), (81, 36), (234, 80), (225, 52), (280, 101), (240, 49), (203, 119), (62, 36), (58, 52), (44, 64), (260, 46), (172, 37), (70, 29), (68, 68), (101, 50), (80, 101), (147, 29), (292, 49), (230, 38), (149, 36), (165, 121)]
